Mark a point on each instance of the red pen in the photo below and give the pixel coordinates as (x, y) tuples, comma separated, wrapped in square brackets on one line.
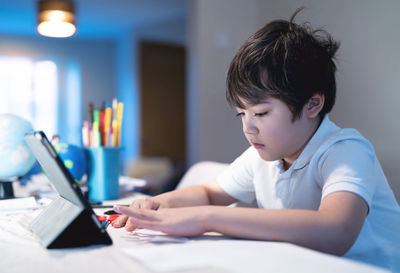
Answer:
[(112, 217), (107, 218)]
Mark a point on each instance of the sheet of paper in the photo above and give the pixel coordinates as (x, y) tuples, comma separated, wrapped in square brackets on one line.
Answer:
[(157, 236), (241, 256), (128, 184), (14, 227), (18, 204), (142, 237)]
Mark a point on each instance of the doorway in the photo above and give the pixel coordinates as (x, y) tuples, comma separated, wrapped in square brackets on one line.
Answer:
[(162, 119)]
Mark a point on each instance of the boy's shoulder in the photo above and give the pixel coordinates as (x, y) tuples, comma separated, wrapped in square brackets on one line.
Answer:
[(345, 145), (329, 134), (329, 137), (346, 137)]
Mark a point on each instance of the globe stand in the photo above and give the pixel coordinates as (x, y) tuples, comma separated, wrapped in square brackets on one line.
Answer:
[(6, 190), (6, 187)]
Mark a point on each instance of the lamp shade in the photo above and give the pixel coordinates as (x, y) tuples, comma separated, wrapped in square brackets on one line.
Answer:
[(56, 18)]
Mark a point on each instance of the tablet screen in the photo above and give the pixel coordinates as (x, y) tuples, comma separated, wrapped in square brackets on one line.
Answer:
[(54, 169)]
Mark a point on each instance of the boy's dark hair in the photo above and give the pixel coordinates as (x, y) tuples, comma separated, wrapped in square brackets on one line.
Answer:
[(286, 61)]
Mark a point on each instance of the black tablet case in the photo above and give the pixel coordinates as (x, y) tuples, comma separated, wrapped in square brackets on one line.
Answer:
[(69, 220)]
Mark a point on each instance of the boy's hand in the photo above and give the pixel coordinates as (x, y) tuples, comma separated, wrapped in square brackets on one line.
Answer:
[(125, 220), (187, 221)]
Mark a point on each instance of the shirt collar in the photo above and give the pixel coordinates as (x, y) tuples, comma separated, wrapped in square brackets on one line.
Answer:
[(325, 128)]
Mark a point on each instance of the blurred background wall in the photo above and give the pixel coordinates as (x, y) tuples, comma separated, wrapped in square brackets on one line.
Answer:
[(368, 82)]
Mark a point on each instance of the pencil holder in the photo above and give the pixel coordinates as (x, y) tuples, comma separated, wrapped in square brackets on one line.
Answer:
[(103, 173)]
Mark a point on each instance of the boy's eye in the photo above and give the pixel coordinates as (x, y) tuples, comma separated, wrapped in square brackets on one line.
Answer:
[(260, 114), (240, 114)]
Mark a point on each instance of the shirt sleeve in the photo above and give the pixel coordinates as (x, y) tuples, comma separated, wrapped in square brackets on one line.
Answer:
[(237, 179), (351, 166)]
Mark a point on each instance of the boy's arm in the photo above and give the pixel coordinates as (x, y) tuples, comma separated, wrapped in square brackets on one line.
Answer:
[(207, 194), (332, 229)]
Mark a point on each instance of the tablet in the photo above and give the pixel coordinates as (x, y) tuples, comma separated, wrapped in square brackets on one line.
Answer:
[(69, 220)]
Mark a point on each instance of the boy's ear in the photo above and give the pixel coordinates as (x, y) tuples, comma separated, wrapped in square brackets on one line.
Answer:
[(315, 105)]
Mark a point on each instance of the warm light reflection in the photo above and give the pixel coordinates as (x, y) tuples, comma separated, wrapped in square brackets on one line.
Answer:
[(56, 15)]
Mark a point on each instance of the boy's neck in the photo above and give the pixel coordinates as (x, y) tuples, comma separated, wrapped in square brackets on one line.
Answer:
[(287, 162)]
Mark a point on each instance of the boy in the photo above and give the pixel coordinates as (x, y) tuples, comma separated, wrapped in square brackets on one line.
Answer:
[(316, 185)]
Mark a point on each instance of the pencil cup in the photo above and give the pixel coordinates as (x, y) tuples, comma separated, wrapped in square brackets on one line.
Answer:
[(103, 173)]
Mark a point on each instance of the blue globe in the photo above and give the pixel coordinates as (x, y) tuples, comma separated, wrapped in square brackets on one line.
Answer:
[(74, 159), (16, 159)]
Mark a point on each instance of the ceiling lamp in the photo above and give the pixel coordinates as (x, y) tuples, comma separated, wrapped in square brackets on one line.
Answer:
[(56, 18)]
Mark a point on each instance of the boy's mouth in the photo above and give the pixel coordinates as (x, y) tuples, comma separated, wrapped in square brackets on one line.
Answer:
[(257, 145)]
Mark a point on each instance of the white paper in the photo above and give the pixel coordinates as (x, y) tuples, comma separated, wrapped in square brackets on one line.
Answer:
[(241, 256), (128, 184), (157, 236), (18, 204), (146, 236), (14, 227)]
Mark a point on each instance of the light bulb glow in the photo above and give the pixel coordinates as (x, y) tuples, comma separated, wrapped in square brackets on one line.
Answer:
[(56, 29)]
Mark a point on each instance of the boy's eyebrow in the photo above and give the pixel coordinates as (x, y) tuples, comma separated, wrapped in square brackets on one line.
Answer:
[(246, 105), (238, 108), (267, 100)]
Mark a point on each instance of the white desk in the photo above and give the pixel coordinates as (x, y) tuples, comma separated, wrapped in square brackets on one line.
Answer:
[(20, 252)]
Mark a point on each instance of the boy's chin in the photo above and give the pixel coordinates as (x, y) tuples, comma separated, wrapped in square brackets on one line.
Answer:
[(267, 157)]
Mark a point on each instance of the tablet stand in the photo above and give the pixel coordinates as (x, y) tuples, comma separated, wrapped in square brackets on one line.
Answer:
[(69, 220), (64, 224)]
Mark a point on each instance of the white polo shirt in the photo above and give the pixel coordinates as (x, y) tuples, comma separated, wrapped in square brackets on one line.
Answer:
[(334, 160)]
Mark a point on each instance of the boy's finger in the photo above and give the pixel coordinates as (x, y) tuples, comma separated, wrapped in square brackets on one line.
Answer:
[(137, 213), (120, 221), (148, 225), (149, 205), (130, 225)]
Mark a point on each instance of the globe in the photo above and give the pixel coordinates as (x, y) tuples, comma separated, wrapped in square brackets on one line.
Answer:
[(74, 159), (16, 159)]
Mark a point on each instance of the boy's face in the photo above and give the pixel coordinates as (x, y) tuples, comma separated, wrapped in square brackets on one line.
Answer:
[(270, 128)]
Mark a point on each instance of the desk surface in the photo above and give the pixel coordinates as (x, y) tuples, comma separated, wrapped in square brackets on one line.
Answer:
[(21, 252)]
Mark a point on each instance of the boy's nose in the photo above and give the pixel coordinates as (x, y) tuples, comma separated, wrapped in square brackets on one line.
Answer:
[(249, 127)]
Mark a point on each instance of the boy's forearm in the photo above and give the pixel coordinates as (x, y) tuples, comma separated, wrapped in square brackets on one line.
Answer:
[(209, 193), (187, 197), (302, 227)]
